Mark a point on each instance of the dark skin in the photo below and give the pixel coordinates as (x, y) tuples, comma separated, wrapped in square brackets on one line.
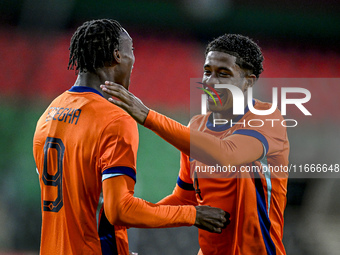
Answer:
[(119, 71), (207, 218), (221, 68)]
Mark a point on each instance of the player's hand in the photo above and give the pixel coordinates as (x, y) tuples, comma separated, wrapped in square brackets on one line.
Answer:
[(129, 102), (211, 219)]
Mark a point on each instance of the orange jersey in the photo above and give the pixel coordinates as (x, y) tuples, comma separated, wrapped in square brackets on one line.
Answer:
[(82, 141), (255, 199)]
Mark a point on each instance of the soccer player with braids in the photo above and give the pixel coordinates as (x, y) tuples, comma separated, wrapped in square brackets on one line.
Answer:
[(255, 199), (83, 145)]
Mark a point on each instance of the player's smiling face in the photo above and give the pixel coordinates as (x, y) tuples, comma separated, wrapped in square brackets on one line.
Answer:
[(221, 68)]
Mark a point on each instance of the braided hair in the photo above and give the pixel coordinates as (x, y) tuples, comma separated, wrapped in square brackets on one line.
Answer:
[(248, 54), (93, 44)]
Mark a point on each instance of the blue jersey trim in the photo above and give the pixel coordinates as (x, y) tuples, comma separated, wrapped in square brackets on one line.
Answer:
[(267, 175), (184, 185), (218, 128), (256, 135), (107, 236), (119, 170), (263, 216), (84, 89)]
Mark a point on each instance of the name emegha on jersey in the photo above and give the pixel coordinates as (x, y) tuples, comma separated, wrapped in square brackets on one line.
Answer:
[(63, 114)]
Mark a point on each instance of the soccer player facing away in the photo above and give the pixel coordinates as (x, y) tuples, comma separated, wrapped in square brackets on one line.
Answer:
[(84, 145), (255, 200)]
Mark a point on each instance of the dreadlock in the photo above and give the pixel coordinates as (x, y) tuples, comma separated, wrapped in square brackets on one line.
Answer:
[(248, 54), (93, 44)]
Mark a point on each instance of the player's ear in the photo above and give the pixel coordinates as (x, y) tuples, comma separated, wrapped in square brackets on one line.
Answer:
[(117, 56)]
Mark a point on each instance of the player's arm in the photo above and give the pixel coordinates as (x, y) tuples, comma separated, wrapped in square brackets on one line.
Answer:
[(180, 196), (117, 153), (184, 192), (122, 208), (233, 150)]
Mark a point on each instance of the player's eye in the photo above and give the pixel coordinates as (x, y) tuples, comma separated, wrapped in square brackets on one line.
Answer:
[(224, 74), (207, 72)]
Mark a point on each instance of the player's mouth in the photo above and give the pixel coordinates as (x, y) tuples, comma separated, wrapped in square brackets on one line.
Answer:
[(216, 98)]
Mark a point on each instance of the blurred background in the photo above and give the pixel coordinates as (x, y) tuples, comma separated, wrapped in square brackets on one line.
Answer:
[(300, 39)]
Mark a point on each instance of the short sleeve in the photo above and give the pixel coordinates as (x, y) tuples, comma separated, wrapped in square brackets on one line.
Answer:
[(118, 148)]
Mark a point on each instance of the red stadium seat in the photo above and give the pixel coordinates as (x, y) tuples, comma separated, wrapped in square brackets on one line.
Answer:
[(161, 76)]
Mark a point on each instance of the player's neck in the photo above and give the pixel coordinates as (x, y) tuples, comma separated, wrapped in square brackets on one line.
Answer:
[(91, 80)]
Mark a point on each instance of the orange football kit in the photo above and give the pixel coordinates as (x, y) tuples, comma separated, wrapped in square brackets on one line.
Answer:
[(252, 191), (84, 145)]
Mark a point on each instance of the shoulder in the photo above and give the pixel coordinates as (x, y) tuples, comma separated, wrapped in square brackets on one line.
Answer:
[(111, 113), (271, 126), (120, 132), (121, 124), (107, 119), (262, 106)]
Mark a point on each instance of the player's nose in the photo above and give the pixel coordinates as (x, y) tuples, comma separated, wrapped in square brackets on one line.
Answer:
[(211, 81)]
